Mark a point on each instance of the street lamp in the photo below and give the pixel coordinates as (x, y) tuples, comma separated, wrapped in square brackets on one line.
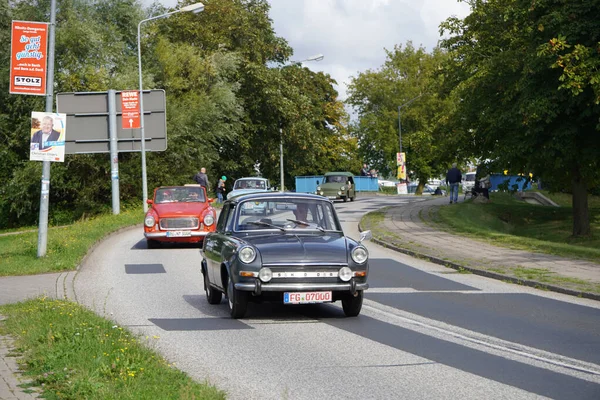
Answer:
[(195, 8), (316, 57), (400, 121)]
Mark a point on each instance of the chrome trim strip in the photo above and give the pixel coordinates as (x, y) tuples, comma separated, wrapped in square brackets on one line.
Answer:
[(305, 274), (300, 287), (153, 235), (307, 264)]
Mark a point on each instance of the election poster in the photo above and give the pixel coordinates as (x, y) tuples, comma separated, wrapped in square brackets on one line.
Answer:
[(47, 136)]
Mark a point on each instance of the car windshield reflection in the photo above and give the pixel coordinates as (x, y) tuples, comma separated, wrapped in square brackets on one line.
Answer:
[(286, 214)]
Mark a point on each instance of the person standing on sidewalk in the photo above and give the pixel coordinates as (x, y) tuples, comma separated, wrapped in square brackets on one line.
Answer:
[(453, 178), (202, 179)]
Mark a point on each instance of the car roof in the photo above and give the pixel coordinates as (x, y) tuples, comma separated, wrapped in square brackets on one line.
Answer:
[(284, 195), (251, 178), (345, 173)]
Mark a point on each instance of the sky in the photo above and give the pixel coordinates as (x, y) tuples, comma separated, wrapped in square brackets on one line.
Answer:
[(354, 34)]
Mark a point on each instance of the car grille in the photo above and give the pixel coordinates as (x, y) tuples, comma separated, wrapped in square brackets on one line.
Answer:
[(305, 274), (179, 223)]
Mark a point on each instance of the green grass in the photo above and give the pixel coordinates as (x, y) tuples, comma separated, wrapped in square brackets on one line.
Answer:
[(69, 352), (66, 246), (509, 222)]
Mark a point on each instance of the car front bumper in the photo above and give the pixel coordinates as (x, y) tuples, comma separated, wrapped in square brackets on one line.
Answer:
[(163, 235), (258, 286)]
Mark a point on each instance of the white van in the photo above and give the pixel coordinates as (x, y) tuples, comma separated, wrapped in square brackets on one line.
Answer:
[(468, 182)]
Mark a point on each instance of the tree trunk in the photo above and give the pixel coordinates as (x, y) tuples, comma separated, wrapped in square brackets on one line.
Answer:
[(581, 215)]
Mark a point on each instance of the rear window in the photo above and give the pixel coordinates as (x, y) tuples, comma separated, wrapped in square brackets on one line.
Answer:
[(470, 177)]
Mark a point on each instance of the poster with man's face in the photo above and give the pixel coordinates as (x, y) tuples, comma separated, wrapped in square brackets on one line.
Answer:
[(47, 136)]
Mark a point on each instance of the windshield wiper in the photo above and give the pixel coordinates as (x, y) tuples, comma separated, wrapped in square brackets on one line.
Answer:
[(297, 221), (261, 223)]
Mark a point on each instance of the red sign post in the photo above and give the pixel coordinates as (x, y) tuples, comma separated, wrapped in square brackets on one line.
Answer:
[(28, 62), (130, 109)]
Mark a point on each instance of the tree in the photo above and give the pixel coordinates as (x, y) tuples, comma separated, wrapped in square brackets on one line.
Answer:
[(407, 76), (510, 102)]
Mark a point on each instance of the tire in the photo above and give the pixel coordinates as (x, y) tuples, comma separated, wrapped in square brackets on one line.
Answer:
[(237, 301), (152, 244), (345, 199), (352, 304), (351, 198), (213, 296)]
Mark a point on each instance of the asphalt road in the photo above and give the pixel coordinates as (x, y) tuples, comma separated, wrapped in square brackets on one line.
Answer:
[(424, 332)]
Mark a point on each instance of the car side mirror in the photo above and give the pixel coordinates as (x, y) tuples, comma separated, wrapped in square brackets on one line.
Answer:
[(365, 235), (210, 200), (149, 201)]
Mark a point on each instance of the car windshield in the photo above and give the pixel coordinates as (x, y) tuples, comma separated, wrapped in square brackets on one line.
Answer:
[(286, 214), (336, 179), (249, 184), (182, 194), (470, 177)]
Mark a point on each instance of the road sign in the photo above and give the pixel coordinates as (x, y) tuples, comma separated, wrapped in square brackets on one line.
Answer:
[(87, 117), (29, 50), (130, 109)]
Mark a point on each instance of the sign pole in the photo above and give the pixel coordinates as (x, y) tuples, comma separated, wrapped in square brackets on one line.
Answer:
[(114, 152), (45, 189)]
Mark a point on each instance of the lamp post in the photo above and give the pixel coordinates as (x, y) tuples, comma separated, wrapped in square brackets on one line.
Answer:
[(195, 8), (317, 57), (400, 120)]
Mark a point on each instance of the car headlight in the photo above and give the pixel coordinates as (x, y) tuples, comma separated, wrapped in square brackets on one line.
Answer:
[(265, 274), (359, 254), (318, 188), (209, 220), (339, 193), (343, 188), (247, 254), (149, 221), (345, 274)]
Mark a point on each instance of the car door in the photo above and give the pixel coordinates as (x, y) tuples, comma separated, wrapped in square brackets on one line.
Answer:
[(215, 242)]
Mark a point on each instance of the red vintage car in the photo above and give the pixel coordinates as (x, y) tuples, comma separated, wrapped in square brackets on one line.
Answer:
[(179, 214)]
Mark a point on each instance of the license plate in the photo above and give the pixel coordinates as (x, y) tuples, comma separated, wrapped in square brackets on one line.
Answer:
[(179, 233), (306, 297), (332, 197)]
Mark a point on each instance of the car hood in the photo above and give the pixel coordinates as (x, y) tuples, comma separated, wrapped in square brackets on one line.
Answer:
[(179, 209), (238, 192), (301, 248)]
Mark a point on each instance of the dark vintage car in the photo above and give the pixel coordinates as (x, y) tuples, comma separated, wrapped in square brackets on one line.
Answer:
[(337, 186), (179, 214), (297, 255)]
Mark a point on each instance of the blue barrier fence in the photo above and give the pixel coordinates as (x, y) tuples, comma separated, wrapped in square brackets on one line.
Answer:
[(519, 181), (308, 184)]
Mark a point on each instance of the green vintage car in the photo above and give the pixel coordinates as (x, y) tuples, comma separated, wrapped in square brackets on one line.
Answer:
[(337, 186)]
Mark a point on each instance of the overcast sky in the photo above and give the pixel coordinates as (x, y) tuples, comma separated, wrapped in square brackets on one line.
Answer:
[(352, 34)]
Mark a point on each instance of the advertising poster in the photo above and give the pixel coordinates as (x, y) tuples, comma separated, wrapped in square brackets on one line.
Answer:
[(47, 136), (401, 163), (130, 109), (29, 51)]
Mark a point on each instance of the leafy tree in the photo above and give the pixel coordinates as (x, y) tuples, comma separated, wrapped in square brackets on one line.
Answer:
[(511, 106), (408, 80)]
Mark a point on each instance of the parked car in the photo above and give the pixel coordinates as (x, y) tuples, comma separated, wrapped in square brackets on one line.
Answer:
[(252, 185), (179, 214), (468, 182), (386, 183), (427, 190), (298, 255), (337, 185)]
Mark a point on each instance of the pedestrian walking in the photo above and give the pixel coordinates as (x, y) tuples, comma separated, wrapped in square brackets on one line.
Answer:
[(202, 179), (221, 189), (453, 178)]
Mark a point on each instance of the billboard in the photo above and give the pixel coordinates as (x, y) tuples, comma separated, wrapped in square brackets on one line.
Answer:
[(47, 136), (28, 62)]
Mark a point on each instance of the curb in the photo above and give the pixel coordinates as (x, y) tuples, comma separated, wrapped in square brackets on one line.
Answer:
[(487, 274)]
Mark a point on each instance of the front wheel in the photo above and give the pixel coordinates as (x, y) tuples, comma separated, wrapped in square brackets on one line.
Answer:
[(237, 301), (213, 296), (352, 304)]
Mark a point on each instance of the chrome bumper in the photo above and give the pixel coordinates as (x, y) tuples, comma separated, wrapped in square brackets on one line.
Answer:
[(154, 235), (258, 287)]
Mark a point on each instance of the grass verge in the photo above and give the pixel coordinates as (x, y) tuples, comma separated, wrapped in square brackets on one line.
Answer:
[(506, 221), (68, 352), (66, 245)]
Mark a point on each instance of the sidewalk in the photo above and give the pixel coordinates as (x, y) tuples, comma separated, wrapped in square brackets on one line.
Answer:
[(408, 228)]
